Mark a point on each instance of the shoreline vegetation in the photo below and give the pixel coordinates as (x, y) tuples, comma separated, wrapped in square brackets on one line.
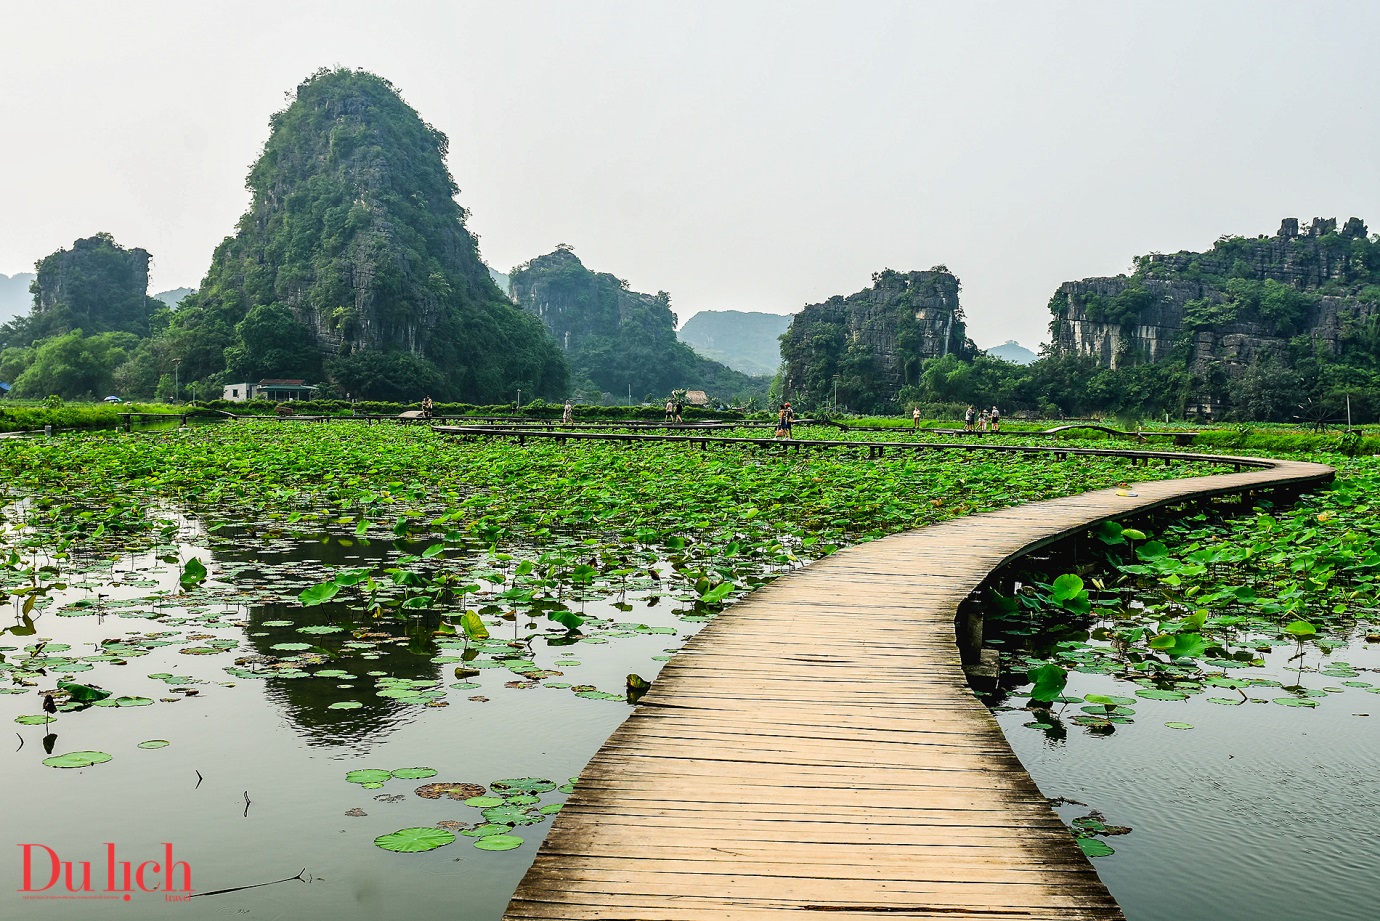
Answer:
[(19, 417)]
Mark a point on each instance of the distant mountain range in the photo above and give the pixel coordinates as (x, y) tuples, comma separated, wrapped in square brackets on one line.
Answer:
[(173, 297), (747, 342), (15, 299), (1014, 352), (499, 278)]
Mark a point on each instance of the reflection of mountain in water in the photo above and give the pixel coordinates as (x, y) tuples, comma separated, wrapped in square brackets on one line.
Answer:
[(401, 650)]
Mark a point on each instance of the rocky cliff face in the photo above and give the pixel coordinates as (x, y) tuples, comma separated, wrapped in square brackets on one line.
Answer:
[(874, 341), (97, 286), (1244, 303)]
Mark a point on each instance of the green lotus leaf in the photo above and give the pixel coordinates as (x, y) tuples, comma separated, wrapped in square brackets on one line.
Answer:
[(155, 743), (369, 775), (498, 842), (485, 831), (414, 773), (77, 759), (415, 840)]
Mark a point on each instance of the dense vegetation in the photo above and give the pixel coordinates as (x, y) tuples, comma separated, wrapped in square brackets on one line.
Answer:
[(352, 267), (91, 311), (619, 342), (868, 351)]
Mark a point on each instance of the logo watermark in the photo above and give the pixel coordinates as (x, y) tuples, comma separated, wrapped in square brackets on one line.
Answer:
[(44, 874)]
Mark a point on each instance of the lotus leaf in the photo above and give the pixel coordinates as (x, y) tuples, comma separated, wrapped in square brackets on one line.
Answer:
[(415, 840)]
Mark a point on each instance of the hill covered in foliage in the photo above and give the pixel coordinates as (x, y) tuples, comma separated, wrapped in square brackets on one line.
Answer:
[(1250, 328), (353, 262), (89, 314), (871, 347), (744, 341), (619, 341)]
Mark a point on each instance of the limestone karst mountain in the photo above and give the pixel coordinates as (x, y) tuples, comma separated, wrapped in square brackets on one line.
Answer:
[(1236, 318), (354, 262), (870, 344), (619, 341)]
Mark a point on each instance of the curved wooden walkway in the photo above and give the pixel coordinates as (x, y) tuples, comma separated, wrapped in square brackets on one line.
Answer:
[(815, 752)]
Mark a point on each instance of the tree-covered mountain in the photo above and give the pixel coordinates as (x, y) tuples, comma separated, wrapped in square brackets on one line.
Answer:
[(869, 348), (744, 341), (1248, 329), (354, 262), (90, 312), (619, 341), (15, 299)]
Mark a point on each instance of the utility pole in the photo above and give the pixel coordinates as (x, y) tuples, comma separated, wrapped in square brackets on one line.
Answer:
[(519, 402), (177, 389)]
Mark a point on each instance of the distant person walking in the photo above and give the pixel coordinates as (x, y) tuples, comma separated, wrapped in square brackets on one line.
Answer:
[(996, 419), (680, 408), (968, 416), (984, 420), (670, 410), (427, 407), (915, 418), (568, 414), (784, 418)]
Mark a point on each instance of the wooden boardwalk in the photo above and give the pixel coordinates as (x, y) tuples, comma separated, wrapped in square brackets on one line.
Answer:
[(815, 751)]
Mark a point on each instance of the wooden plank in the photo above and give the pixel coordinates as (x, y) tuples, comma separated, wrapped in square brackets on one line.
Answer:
[(775, 770)]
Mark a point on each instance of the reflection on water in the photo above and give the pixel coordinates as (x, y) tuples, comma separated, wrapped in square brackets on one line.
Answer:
[(267, 705)]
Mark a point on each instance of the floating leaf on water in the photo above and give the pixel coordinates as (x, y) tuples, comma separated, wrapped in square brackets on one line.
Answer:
[(1157, 694), (484, 802), (34, 719), (155, 743), (461, 791), (1179, 725), (1094, 848), (1226, 701), (498, 842), (523, 799), (415, 840), (510, 815), (513, 785), (550, 809), (488, 830), (1295, 702), (77, 759), (291, 647), (414, 773), (369, 776), (345, 705)]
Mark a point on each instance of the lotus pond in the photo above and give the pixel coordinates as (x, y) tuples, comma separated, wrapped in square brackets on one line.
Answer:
[(1203, 706), (364, 665)]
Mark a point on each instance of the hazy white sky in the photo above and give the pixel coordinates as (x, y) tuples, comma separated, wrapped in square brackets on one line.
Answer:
[(740, 155)]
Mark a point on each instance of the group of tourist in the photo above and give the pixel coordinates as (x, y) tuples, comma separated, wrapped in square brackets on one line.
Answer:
[(981, 421)]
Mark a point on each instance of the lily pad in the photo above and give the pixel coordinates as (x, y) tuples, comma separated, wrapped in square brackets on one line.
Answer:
[(415, 840), (369, 776), (486, 831), (1094, 848), (498, 842), (77, 759), (345, 705), (483, 802), (1179, 725), (155, 743), (522, 785)]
